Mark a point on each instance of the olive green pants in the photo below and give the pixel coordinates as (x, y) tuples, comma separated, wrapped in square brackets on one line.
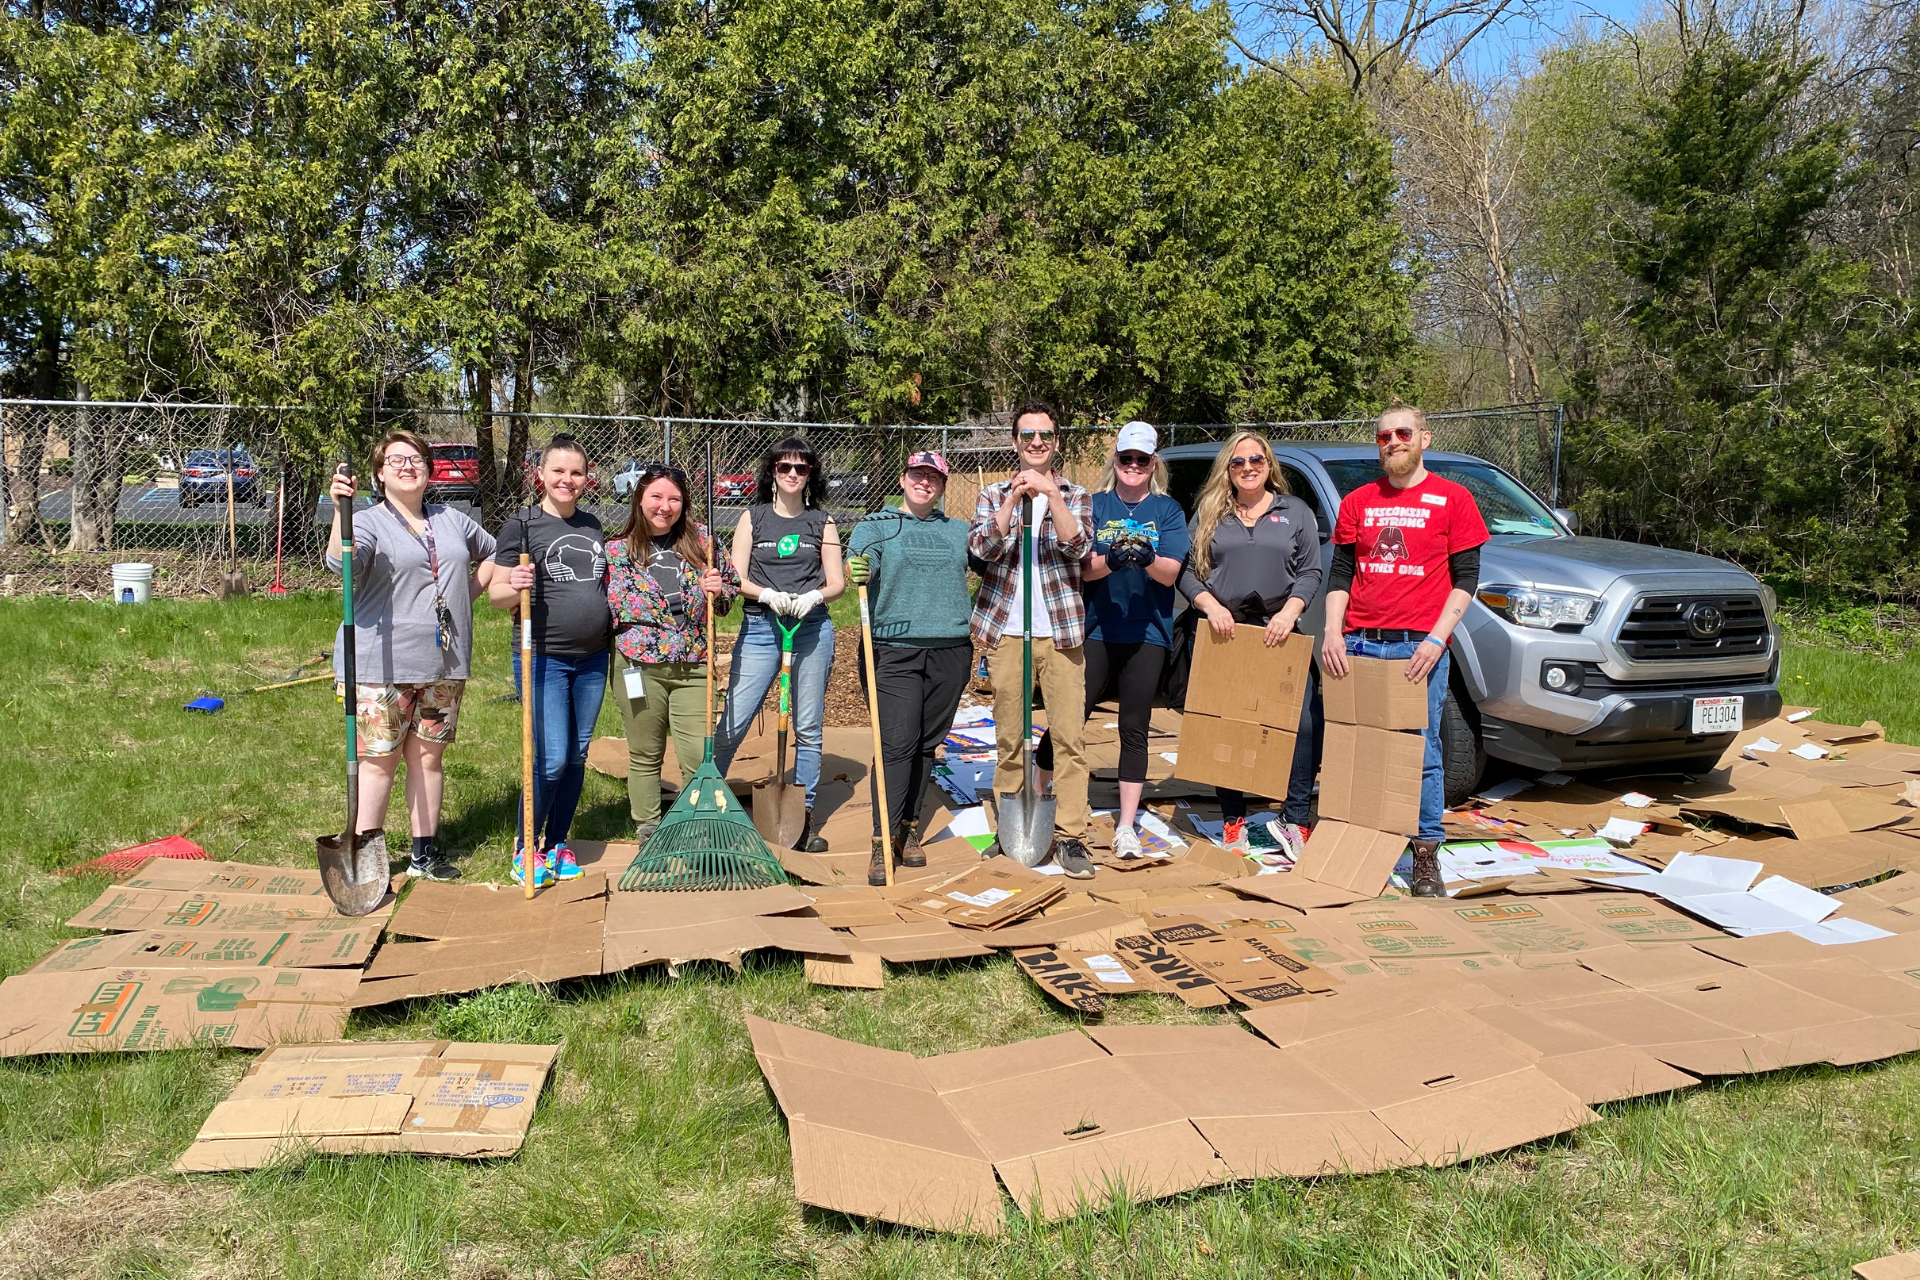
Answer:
[(674, 696)]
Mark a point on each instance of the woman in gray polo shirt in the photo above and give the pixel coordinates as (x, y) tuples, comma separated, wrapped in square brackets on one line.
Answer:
[(1256, 560), (416, 569)]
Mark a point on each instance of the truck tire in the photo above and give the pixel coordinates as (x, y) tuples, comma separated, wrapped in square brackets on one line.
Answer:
[(1462, 758)]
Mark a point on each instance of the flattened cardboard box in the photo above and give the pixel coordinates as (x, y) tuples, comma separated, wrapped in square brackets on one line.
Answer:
[(1243, 709), (1341, 864), (995, 892), (200, 948), (123, 910), (1895, 1266), (174, 875), (674, 928), (1234, 753), (130, 1010), (1375, 693), (487, 936), (1371, 777), (431, 1098)]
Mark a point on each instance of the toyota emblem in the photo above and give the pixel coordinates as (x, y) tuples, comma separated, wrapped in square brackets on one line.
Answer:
[(1706, 622)]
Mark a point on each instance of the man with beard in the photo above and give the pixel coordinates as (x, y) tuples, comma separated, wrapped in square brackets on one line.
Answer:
[(1406, 560)]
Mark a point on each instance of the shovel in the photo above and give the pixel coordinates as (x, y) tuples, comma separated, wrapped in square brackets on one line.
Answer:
[(780, 807), (1025, 821), (233, 582), (355, 874)]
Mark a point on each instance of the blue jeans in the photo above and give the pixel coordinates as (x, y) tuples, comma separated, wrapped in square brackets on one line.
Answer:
[(756, 665), (566, 704), (1433, 774)]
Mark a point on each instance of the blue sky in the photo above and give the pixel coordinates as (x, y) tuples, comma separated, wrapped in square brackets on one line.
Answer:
[(1521, 38)]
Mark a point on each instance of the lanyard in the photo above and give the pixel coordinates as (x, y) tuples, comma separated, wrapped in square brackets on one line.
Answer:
[(442, 616)]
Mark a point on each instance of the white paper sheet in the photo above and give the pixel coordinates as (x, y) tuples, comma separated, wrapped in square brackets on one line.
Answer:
[(1761, 744), (1798, 716), (1622, 830), (1808, 751), (1555, 779), (1500, 791), (1636, 800)]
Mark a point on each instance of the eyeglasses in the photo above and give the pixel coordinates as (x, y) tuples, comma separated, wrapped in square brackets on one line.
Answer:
[(792, 469), (405, 461), (1257, 460), (1403, 434), (1133, 459), (1029, 435)]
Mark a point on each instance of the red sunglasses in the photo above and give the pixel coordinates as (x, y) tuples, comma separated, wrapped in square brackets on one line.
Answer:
[(1403, 434)]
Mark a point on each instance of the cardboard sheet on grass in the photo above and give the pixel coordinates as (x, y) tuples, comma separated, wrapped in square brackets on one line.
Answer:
[(424, 1097), (125, 1010)]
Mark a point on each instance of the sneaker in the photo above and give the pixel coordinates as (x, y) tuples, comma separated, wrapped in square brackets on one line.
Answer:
[(542, 875), (1126, 843), (1292, 841), (561, 862), (1071, 857), (644, 831), (435, 867), (1234, 836)]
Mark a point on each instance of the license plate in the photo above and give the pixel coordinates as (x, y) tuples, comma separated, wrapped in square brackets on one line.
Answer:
[(1719, 715)]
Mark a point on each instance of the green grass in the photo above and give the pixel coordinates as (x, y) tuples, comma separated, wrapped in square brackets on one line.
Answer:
[(657, 1150)]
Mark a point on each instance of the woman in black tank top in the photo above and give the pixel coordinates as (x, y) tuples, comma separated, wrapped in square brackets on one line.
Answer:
[(788, 551)]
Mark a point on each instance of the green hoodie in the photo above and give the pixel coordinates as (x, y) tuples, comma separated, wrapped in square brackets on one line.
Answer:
[(918, 591)]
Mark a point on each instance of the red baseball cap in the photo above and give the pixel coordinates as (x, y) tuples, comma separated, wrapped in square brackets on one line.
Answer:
[(927, 458)]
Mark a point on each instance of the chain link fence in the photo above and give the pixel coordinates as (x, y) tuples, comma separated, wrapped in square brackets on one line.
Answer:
[(91, 483)]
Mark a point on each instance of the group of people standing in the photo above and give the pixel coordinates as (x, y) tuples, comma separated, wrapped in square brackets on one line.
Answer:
[(1107, 569)]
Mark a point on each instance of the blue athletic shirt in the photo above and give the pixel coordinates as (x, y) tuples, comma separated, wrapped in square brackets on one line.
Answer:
[(1126, 606)]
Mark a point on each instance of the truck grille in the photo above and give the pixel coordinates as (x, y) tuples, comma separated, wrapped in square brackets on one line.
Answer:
[(1665, 627)]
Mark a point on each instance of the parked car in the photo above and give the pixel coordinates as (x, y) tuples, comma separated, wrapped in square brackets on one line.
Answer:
[(456, 472), (848, 489), (626, 478), (1576, 652), (735, 487), (203, 476)]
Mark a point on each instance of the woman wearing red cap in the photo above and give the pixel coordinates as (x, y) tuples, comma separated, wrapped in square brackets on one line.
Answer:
[(915, 558)]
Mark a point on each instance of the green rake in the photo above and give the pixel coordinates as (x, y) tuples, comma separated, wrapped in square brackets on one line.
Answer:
[(706, 840)]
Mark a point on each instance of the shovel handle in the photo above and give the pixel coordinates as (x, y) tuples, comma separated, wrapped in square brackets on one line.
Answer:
[(873, 709), (349, 662), (529, 856)]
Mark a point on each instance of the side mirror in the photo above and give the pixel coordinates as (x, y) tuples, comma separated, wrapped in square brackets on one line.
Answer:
[(1569, 518)]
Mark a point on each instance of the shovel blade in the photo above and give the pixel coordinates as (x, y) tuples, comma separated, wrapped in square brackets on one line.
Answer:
[(779, 812), (231, 585), (1025, 828), (355, 878)]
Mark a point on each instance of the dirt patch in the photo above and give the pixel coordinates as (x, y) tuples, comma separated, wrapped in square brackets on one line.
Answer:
[(104, 1231)]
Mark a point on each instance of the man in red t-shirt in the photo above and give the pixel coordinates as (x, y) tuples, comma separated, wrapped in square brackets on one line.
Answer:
[(1406, 559)]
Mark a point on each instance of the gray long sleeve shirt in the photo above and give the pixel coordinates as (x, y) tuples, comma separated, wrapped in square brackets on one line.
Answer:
[(1278, 558)]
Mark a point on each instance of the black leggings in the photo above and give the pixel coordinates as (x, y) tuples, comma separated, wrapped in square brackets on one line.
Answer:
[(1135, 669)]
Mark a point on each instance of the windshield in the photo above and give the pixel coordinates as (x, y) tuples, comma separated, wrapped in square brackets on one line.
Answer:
[(1504, 502)]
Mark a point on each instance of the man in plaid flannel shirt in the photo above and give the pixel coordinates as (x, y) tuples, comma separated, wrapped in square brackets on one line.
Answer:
[(1061, 515)]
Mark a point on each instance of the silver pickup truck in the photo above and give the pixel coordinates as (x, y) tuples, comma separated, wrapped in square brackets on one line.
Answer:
[(1577, 652)]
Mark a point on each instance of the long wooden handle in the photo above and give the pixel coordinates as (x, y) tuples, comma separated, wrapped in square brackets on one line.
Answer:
[(529, 854), (873, 708)]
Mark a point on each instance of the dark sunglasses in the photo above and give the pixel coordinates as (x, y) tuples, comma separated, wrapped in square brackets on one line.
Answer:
[(1257, 460), (659, 471), (1403, 434), (1131, 459), (792, 469), (1028, 435)]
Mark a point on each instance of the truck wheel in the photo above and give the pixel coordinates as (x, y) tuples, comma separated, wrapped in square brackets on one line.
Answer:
[(1462, 758)]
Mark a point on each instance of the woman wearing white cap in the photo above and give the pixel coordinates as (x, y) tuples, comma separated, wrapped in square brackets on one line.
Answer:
[(915, 555), (1139, 542)]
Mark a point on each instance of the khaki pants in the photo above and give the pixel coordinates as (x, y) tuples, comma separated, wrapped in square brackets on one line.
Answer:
[(1062, 677), (676, 697)]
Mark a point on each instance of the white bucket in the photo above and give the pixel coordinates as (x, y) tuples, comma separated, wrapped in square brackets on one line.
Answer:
[(132, 583)]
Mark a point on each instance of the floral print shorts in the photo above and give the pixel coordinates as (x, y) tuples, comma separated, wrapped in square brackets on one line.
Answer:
[(387, 713)]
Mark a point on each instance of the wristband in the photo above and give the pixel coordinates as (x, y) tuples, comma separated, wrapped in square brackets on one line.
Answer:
[(1432, 640)]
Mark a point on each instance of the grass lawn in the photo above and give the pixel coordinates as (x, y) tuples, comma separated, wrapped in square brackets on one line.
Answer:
[(658, 1151)]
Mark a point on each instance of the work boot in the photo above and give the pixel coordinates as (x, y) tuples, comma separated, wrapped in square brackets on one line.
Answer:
[(809, 842), (877, 865), (906, 843), (1426, 870)]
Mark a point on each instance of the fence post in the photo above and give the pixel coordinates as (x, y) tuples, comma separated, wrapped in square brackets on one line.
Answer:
[(1559, 425), (666, 447)]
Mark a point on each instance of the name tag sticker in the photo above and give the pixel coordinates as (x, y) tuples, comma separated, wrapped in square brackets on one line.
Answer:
[(1437, 499)]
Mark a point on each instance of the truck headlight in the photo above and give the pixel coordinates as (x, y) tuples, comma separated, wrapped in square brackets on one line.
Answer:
[(1770, 600), (1526, 607)]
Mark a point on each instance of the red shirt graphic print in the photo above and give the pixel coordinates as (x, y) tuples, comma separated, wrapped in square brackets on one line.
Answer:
[(1401, 540)]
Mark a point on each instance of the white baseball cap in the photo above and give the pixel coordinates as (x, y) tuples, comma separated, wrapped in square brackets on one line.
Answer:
[(1137, 435)]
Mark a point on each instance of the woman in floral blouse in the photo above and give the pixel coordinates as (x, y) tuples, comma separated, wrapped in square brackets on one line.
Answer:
[(659, 577)]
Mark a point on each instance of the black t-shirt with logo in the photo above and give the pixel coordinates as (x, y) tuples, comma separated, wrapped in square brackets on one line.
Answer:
[(786, 551), (570, 614)]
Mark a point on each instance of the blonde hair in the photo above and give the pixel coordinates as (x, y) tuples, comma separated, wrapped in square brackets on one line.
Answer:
[(1216, 497), (1419, 414), (1110, 476)]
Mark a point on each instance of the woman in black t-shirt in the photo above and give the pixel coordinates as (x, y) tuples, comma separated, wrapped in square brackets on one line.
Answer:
[(572, 628), (788, 553)]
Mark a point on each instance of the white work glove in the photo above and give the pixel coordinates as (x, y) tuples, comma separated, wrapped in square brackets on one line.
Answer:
[(805, 603), (778, 601)]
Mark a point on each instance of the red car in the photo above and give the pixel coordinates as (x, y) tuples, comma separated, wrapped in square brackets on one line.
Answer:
[(456, 472), (736, 487)]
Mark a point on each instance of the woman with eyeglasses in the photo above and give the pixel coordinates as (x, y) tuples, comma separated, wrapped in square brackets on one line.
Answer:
[(571, 634), (1256, 560), (1139, 542), (416, 569), (659, 578), (788, 552)]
